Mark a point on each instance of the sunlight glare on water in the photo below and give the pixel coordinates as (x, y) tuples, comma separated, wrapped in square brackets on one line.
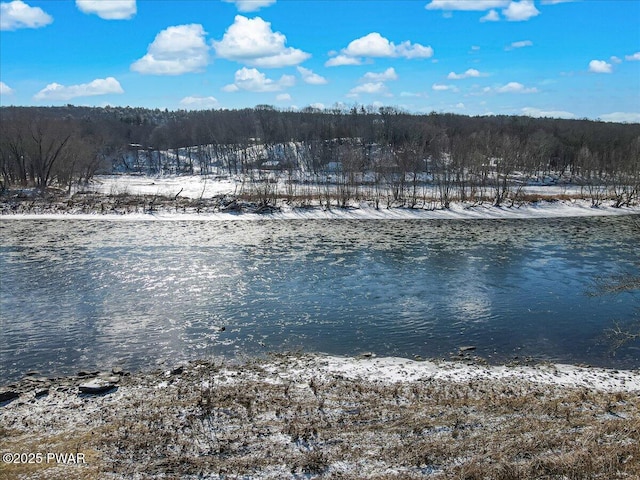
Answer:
[(90, 294)]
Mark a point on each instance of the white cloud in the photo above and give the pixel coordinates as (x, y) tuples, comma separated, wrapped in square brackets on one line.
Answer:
[(388, 74), (342, 60), (252, 42), (174, 51), (520, 44), (17, 14), (199, 103), (108, 9), (468, 5), (520, 11), (460, 105), (371, 45), (514, 11), (621, 117), (515, 87), (442, 88), (600, 66), (6, 89), (492, 16), (470, 73), (536, 112), (408, 50), (250, 5), (631, 58), (311, 78), (252, 80), (283, 97), (615, 59), (374, 45), (370, 88), (99, 86)]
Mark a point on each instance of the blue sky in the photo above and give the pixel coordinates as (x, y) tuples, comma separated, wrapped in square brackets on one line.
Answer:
[(561, 58)]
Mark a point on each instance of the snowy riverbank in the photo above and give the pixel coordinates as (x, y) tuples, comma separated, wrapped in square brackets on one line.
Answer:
[(314, 416), (198, 197), (362, 211)]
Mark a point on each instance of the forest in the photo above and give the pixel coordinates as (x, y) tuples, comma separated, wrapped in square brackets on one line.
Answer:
[(384, 153)]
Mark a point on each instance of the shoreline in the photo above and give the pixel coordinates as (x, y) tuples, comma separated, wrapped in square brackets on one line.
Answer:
[(369, 367), (358, 417), (553, 208)]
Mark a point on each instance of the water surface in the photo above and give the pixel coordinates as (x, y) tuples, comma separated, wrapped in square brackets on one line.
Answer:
[(78, 294)]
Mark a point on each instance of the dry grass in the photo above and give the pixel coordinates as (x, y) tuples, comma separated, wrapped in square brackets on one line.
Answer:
[(244, 422)]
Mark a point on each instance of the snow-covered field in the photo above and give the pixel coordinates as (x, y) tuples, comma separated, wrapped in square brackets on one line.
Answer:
[(198, 186)]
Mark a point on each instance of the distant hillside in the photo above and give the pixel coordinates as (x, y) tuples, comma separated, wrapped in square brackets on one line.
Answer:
[(65, 145)]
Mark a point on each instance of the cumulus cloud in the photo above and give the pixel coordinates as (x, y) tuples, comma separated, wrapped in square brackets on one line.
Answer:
[(615, 59), (311, 78), (515, 87), (17, 14), (467, 5), (370, 88), (283, 97), (408, 50), (252, 80), (536, 112), (252, 42), (621, 117), (513, 11), (492, 16), (388, 74), (108, 9), (99, 86), (371, 45), (6, 89), (633, 58), (250, 5), (174, 51), (470, 73), (375, 45), (198, 103), (520, 44), (340, 60), (600, 66), (520, 11)]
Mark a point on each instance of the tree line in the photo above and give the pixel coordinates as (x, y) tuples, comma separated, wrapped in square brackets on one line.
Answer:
[(460, 157)]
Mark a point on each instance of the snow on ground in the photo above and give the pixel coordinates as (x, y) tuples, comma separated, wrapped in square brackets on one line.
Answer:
[(399, 369), (188, 186), (199, 186), (364, 211), (395, 369), (315, 416)]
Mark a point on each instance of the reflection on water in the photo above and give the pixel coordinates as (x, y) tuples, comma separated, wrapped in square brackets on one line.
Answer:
[(80, 294)]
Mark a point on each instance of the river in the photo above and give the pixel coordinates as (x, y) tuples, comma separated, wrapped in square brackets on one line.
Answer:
[(91, 294)]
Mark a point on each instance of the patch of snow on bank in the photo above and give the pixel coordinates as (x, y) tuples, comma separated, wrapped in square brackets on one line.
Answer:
[(393, 369), (559, 209)]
